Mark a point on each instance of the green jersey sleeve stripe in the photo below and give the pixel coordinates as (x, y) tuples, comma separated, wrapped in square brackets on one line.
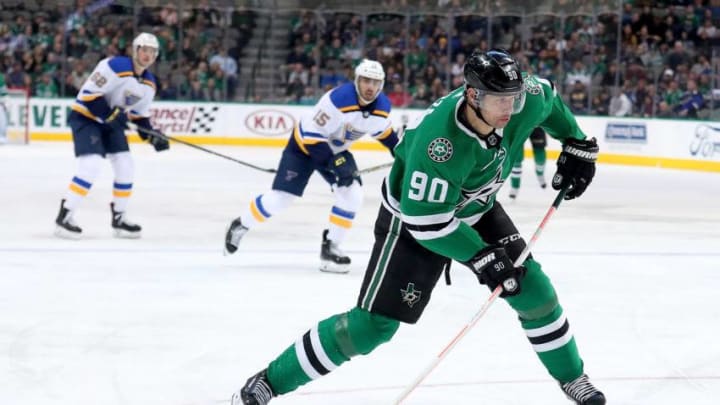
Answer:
[(420, 234), (428, 219)]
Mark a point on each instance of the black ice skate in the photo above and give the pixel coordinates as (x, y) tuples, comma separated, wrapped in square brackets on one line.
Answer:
[(332, 259), (234, 234), (257, 391), (122, 228), (583, 392), (66, 226)]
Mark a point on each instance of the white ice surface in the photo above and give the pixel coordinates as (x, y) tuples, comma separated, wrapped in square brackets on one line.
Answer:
[(168, 319)]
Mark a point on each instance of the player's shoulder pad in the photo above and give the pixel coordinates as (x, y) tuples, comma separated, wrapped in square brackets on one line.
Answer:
[(149, 79), (539, 88), (121, 65), (344, 97), (382, 105)]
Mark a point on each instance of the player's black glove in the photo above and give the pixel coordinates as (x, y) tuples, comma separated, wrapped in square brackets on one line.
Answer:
[(160, 143), (576, 166), (117, 118), (344, 168), (493, 268)]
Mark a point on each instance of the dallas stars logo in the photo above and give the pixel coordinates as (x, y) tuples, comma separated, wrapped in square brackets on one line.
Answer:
[(440, 150), (410, 295)]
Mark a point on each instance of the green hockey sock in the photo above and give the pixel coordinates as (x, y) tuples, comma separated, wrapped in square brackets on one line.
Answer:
[(545, 324), (328, 345), (516, 174), (540, 158), (553, 341)]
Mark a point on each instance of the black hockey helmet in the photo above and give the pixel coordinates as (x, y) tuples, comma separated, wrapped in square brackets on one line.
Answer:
[(495, 72)]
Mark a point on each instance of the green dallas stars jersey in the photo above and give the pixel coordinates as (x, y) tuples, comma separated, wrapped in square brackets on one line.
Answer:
[(445, 177)]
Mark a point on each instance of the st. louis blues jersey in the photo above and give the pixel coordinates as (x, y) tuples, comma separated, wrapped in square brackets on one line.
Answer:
[(339, 120), (112, 84)]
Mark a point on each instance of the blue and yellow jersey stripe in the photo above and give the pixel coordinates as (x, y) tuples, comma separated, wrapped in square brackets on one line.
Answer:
[(258, 211), (341, 217), (83, 110), (303, 138), (122, 190), (384, 134), (80, 186), (350, 108)]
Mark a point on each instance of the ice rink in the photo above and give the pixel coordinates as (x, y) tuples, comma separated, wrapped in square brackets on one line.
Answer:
[(168, 319)]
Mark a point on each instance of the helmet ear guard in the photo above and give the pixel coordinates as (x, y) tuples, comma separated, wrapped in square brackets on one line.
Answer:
[(370, 69)]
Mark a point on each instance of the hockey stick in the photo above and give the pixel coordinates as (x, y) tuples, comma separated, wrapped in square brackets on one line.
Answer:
[(192, 145), (376, 168), (496, 293)]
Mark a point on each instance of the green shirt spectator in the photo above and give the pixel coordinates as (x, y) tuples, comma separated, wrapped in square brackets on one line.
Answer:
[(46, 87)]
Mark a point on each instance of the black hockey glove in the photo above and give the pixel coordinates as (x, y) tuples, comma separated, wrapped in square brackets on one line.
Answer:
[(117, 119), (576, 166), (160, 143), (344, 168), (493, 267)]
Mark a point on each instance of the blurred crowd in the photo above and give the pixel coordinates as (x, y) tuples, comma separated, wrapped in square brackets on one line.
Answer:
[(638, 58), (51, 47)]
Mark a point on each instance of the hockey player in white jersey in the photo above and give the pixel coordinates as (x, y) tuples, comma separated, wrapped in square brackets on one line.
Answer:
[(320, 142), (119, 89)]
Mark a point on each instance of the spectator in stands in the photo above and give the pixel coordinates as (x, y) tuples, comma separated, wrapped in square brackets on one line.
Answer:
[(673, 94), (620, 104), (691, 102), (214, 90), (579, 98), (78, 76), (601, 103), (229, 67), (16, 77), (295, 89), (399, 97), (46, 87), (166, 91), (308, 97), (331, 78), (196, 91), (663, 110), (677, 56), (579, 73), (421, 98)]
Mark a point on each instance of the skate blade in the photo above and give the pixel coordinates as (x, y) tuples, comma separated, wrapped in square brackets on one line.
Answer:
[(226, 252), (123, 234), (332, 267), (63, 233)]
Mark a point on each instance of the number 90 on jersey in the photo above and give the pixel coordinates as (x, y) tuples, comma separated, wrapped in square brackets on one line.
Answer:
[(420, 190)]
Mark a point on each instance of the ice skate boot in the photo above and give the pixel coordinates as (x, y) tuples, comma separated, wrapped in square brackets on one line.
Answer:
[(513, 192), (122, 228), (583, 392), (541, 180), (332, 259), (233, 235), (257, 391), (66, 226)]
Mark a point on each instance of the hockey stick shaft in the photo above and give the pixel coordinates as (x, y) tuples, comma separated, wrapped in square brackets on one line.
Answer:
[(376, 168), (495, 294), (206, 150)]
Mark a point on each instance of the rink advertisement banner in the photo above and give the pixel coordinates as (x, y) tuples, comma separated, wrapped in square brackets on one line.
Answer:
[(653, 142)]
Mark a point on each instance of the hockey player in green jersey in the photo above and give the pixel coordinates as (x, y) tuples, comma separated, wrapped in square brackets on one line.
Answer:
[(538, 140), (439, 204)]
